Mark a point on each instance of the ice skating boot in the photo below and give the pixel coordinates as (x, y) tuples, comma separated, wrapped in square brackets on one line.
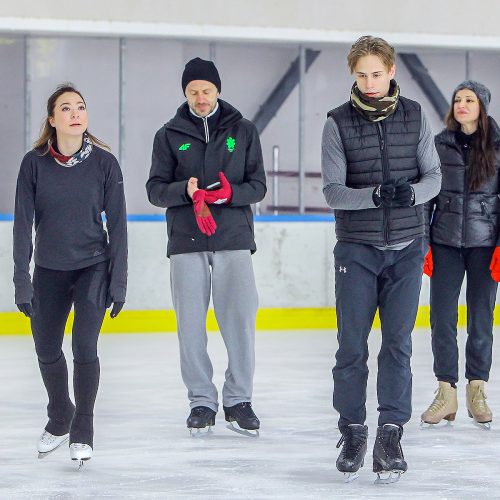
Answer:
[(81, 436), (81, 452), (245, 418), (352, 455), (200, 417), (388, 458), (444, 406), (477, 406), (47, 443), (60, 409)]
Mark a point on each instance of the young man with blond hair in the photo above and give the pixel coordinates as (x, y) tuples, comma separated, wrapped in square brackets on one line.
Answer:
[(379, 167)]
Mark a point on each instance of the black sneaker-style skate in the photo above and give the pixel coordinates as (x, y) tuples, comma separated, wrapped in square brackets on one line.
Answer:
[(200, 418), (245, 417), (388, 459), (352, 455)]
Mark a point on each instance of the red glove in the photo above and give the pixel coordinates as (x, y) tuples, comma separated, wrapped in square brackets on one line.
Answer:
[(202, 213), (428, 263), (495, 265), (221, 195)]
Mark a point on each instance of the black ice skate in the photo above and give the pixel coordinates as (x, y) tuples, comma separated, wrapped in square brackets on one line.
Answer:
[(388, 459), (352, 456), (200, 417), (244, 416)]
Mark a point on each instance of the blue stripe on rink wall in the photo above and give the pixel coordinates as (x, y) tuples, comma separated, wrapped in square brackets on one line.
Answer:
[(258, 218)]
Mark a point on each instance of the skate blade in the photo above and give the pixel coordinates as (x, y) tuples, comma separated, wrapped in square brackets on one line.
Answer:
[(485, 426), (197, 433), (349, 477), (43, 454), (81, 462), (243, 432), (440, 425), (388, 477)]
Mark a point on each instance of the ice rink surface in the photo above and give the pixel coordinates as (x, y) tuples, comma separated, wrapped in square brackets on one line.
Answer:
[(143, 449)]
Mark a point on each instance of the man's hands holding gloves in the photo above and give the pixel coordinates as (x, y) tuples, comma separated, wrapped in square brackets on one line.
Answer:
[(394, 193), (201, 198)]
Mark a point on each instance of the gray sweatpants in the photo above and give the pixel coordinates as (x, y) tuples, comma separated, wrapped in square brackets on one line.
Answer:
[(229, 275)]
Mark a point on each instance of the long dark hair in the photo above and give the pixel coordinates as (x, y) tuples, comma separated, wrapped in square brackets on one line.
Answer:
[(48, 134), (482, 164)]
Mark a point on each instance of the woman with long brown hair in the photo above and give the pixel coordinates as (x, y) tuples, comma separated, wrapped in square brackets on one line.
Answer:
[(64, 185), (465, 240)]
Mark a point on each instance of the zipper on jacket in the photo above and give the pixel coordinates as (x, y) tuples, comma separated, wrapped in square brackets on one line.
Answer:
[(464, 208), (205, 126), (385, 176)]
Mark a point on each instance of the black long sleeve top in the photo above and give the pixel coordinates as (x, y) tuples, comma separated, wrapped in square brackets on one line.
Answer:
[(66, 204)]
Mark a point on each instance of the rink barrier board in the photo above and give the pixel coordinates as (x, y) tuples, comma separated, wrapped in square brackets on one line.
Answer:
[(14, 323)]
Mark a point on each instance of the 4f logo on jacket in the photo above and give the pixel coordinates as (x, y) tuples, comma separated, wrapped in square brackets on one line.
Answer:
[(231, 144), (342, 269), (185, 147)]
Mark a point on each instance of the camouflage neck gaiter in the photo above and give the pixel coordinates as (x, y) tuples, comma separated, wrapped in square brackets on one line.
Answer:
[(375, 109)]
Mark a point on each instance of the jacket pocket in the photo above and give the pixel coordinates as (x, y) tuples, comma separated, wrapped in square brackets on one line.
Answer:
[(441, 209)]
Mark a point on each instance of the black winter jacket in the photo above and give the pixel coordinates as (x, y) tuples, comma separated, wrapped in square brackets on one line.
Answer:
[(181, 151), (460, 217)]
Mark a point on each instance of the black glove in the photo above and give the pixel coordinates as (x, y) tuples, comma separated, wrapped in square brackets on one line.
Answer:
[(115, 310), (404, 195), (26, 308), (384, 193), (117, 306)]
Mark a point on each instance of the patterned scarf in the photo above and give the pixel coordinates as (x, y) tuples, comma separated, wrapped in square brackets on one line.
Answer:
[(78, 157), (375, 109)]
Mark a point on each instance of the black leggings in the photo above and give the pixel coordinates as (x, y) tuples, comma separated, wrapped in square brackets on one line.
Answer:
[(54, 294), (450, 266)]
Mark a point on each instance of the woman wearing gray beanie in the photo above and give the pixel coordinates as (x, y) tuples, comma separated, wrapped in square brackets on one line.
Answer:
[(464, 239)]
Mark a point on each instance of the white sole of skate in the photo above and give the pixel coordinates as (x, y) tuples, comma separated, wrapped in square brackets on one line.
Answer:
[(244, 432), (388, 477), (58, 442)]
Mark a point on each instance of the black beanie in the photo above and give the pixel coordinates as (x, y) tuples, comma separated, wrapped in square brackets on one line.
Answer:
[(199, 69)]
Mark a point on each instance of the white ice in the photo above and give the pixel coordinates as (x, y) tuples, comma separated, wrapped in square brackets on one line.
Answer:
[(143, 449)]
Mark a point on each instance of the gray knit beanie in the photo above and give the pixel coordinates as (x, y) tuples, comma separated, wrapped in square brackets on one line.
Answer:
[(483, 93)]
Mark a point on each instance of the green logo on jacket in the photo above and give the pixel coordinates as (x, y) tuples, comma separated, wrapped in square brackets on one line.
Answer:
[(231, 144), (185, 147)]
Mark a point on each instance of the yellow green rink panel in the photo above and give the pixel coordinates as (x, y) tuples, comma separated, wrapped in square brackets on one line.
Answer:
[(14, 323)]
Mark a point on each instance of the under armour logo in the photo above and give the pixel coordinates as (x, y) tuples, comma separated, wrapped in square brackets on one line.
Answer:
[(342, 269)]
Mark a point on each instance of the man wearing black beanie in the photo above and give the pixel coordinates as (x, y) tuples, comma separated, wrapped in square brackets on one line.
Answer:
[(207, 169)]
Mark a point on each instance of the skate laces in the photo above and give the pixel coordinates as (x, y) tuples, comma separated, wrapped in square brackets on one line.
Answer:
[(438, 403), (47, 437), (392, 437), (352, 441), (479, 399), (246, 409), (199, 410)]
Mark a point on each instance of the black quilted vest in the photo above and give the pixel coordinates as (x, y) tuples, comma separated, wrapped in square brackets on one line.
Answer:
[(376, 152), (464, 218)]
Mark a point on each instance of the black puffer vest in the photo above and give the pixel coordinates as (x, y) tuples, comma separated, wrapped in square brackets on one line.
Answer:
[(464, 218), (377, 152)]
